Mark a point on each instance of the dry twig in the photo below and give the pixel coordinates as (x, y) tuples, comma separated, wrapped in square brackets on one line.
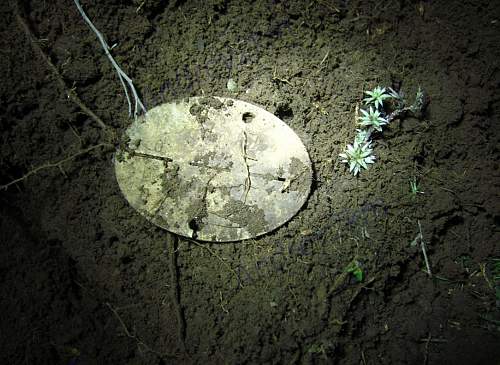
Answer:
[(420, 239), (424, 251)]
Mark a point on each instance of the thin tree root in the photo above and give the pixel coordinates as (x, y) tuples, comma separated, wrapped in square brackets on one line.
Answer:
[(140, 344), (221, 259), (172, 243), (48, 165), (70, 93)]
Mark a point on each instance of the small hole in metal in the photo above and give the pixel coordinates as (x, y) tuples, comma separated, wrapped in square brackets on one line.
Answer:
[(248, 117)]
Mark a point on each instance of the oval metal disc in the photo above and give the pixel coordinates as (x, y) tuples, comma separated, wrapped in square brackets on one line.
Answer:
[(213, 169)]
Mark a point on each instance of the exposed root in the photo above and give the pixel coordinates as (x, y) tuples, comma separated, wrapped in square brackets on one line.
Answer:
[(122, 76), (70, 93), (248, 180), (172, 243), (221, 259), (140, 344), (482, 267), (48, 165)]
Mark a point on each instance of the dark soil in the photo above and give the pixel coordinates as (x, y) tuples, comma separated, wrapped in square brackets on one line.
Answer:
[(87, 280)]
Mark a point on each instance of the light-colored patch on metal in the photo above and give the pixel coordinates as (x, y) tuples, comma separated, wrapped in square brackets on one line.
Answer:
[(213, 169)]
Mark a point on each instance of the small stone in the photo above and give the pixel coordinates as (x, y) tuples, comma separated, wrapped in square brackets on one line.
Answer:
[(231, 85)]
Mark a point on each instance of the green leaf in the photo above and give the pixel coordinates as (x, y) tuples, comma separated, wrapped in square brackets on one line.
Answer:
[(355, 269)]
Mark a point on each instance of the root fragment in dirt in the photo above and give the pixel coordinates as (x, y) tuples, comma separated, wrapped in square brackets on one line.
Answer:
[(49, 165), (124, 79), (172, 245), (221, 259), (420, 239), (70, 92), (140, 344)]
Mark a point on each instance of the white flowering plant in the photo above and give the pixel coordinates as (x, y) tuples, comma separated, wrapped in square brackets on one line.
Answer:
[(376, 97), (362, 136), (372, 118), (359, 155)]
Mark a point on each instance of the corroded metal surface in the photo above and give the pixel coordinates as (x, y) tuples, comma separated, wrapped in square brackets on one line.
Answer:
[(213, 169)]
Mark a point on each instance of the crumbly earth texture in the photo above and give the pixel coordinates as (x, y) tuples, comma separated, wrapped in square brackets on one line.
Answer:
[(86, 279)]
